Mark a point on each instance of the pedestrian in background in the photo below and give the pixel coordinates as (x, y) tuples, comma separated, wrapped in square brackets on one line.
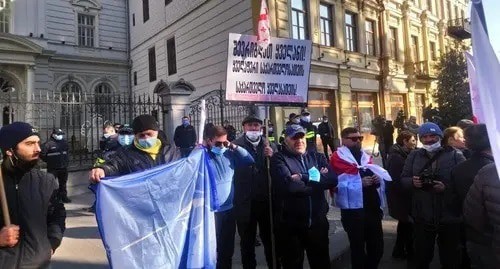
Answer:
[(224, 157), (311, 130), (359, 197), (300, 178), (36, 212), (462, 177), (399, 199), (55, 152), (108, 141), (453, 137), (185, 137), (231, 131), (251, 193), (326, 133), (436, 215)]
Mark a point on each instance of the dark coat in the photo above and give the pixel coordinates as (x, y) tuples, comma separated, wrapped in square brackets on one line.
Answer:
[(299, 204), (185, 136), (398, 198), (130, 159), (55, 154), (35, 206), (429, 207), (311, 132), (109, 144), (482, 208), (325, 130), (250, 182)]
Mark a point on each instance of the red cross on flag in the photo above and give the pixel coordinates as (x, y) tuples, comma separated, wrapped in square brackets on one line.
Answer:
[(264, 30)]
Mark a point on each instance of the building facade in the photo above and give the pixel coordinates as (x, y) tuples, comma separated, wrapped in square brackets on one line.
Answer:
[(61, 49)]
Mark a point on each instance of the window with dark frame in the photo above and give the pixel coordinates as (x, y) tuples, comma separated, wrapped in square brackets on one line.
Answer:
[(171, 56), (414, 48), (326, 24), (370, 37), (5, 16), (432, 47), (299, 20), (152, 64), (145, 10), (393, 42), (135, 78), (86, 30), (351, 31)]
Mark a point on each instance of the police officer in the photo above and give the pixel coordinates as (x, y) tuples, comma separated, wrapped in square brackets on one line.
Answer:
[(185, 137), (311, 130), (55, 154)]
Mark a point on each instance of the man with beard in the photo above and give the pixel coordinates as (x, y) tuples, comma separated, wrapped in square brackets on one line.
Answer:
[(435, 212), (359, 196), (36, 212), (251, 193)]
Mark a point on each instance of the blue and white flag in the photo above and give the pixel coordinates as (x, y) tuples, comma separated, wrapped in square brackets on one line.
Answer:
[(160, 218), (488, 78)]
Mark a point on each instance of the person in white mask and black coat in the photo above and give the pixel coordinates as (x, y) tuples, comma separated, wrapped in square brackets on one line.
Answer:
[(251, 193), (55, 152), (311, 130)]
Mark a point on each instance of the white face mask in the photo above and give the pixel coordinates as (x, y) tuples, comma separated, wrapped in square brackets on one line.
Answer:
[(433, 147), (253, 135), (306, 118), (58, 137), (296, 120)]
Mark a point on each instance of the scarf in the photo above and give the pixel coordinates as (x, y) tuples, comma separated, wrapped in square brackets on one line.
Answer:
[(152, 151), (350, 187)]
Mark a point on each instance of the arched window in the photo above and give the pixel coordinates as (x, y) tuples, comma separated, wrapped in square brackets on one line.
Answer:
[(71, 108), (103, 101)]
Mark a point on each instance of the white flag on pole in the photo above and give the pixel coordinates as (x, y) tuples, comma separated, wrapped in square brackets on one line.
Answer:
[(488, 78), (263, 28), (477, 111)]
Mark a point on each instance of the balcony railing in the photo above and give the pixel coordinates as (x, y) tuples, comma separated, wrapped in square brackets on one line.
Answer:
[(459, 28)]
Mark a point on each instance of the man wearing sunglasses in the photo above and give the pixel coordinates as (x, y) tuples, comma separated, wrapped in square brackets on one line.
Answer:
[(224, 157), (299, 181), (359, 196)]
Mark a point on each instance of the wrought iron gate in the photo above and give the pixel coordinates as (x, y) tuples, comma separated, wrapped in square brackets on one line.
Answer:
[(80, 115), (218, 110)]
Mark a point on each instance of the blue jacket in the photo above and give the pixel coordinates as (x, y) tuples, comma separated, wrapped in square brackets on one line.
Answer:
[(223, 167)]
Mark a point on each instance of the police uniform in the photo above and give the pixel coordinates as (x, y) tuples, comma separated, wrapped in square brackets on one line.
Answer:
[(55, 154)]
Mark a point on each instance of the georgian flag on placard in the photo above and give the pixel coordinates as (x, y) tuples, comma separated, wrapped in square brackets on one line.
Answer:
[(263, 29)]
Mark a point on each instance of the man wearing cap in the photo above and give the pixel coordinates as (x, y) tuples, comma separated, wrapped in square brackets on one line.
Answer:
[(185, 137), (311, 130), (292, 119), (36, 212), (300, 178), (55, 154), (146, 151), (251, 193), (435, 212)]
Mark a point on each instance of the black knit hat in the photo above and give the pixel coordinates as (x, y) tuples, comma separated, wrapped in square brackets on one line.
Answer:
[(125, 130), (12, 134), (251, 118), (144, 122)]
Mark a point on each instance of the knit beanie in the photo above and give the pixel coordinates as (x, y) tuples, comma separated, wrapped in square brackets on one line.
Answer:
[(144, 122), (12, 134)]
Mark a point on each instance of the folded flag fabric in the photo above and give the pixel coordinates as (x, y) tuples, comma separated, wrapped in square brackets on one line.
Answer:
[(160, 218)]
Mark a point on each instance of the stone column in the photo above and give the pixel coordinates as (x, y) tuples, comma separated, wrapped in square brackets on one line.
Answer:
[(345, 100), (425, 41), (30, 89), (175, 103), (441, 35)]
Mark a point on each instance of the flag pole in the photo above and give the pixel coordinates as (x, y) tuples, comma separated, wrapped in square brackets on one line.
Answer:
[(268, 168), (3, 200)]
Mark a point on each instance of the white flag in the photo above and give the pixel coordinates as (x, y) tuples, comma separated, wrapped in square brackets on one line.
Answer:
[(477, 112), (263, 29), (488, 78)]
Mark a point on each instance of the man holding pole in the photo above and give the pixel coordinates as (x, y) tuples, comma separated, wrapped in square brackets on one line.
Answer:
[(251, 193), (32, 213)]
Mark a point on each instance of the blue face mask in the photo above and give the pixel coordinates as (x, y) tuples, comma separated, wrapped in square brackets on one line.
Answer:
[(125, 140), (218, 150), (147, 142), (185, 122)]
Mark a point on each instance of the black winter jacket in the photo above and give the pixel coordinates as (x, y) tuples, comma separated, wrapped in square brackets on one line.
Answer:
[(311, 132), (429, 207), (185, 137), (250, 182), (398, 198), (109, 144), (325, 130), (130, 159), (35, 207), (482, 208), (300, 203), (55, 154)]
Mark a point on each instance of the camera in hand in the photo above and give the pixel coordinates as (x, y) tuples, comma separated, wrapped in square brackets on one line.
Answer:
[(365, 172), (428, 179)]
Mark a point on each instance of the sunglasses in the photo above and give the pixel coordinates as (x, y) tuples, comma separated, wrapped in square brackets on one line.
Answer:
[(355, 138), (221, 144)]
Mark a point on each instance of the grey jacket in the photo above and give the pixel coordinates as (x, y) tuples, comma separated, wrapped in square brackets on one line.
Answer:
[(482, 206), (429, 207)]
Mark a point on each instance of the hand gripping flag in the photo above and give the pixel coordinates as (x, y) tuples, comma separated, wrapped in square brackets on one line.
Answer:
[(263, 28), (488, 79), (160, 218)]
